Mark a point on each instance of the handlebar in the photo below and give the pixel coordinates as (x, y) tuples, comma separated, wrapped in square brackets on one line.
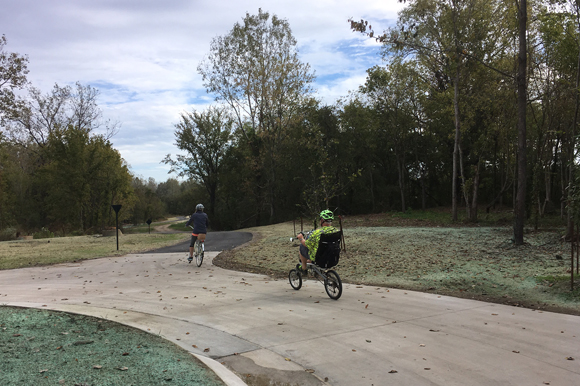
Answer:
[(305, 234)]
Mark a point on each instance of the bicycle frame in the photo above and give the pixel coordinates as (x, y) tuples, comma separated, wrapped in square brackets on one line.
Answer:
[(316, 270)]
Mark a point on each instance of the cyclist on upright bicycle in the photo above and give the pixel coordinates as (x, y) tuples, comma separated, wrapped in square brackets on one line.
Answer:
[(200, 223)]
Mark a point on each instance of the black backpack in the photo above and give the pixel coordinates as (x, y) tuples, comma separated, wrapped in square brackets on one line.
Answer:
[(328, 252)]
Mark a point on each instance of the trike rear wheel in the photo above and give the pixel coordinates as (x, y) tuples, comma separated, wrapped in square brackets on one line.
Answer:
[(333, 285)]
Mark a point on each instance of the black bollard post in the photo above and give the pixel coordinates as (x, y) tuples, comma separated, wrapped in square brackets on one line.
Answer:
[(117, 208)]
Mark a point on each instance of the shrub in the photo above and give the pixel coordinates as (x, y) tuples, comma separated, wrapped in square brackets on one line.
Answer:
[(43, 234), (7, 234)]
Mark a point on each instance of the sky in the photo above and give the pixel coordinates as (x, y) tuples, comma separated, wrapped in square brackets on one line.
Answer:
[(142, 56)]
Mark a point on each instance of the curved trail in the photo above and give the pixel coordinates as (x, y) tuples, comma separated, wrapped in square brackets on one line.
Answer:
[(259, 326)]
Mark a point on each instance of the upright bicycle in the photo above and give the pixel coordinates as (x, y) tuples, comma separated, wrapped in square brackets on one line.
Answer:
[(198, 250), (327, 256)]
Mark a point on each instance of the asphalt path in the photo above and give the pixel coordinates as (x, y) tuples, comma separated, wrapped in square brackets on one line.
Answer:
[(264, 330), (214, 242)]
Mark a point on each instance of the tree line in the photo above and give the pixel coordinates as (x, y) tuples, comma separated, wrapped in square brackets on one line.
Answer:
[(438, 124), (441, 123)]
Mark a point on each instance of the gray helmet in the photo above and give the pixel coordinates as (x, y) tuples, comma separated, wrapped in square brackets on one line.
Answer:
[(199, 207)]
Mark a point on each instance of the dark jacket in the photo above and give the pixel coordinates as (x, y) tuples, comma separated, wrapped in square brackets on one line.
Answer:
[(200, 222)]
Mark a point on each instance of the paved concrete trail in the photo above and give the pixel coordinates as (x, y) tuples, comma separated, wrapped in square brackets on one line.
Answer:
[(260, 327)]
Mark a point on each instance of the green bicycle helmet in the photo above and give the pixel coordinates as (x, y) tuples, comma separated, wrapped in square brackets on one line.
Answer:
[(327, 215)]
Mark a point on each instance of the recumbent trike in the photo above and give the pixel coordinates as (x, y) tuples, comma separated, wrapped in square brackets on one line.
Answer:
[(327, 256)]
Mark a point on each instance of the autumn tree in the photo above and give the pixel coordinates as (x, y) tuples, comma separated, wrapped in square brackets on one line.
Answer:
[(41, 114)]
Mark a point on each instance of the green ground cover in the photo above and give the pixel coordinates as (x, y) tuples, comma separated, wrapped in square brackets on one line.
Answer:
[(42, 347)]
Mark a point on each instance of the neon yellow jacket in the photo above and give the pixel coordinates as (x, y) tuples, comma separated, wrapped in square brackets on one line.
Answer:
[(312, 242)]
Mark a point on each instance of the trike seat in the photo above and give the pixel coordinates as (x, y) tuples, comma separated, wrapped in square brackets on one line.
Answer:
[(328, 252)]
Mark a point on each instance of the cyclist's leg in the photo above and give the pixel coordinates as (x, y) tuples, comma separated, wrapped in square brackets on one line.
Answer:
[(304, 257), (201, 238), (191, 245)]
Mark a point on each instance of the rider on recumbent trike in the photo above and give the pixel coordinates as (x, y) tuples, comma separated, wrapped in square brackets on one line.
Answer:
[(309, 246)]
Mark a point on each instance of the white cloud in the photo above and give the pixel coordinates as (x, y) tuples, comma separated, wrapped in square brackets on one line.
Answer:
[(143, 55)]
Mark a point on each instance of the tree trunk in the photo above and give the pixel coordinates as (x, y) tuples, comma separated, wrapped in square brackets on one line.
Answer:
[(572, 147), (520, 205), (372, 190), (464, 187), (456, 147), (473, 211), (401, 183)]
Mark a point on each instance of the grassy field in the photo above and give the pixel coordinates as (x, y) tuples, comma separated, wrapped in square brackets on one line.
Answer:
[(27, 253), (418, 253)]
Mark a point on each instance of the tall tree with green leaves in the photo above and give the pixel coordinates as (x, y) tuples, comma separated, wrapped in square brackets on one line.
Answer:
[(205, 137), (446, 37), (255, 69), (388, 91), (13, 71), (82, 177)]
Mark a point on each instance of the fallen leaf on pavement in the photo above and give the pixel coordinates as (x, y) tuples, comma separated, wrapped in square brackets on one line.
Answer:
[(393, 371)]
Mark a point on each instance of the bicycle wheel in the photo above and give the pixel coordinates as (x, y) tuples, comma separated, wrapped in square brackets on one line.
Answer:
[(295, 279), (333, 285), (198, 250)]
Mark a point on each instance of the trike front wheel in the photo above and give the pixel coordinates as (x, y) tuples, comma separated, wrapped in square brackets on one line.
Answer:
[(295, 279)]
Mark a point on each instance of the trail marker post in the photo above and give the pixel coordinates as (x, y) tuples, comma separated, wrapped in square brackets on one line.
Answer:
[(117, 208)]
